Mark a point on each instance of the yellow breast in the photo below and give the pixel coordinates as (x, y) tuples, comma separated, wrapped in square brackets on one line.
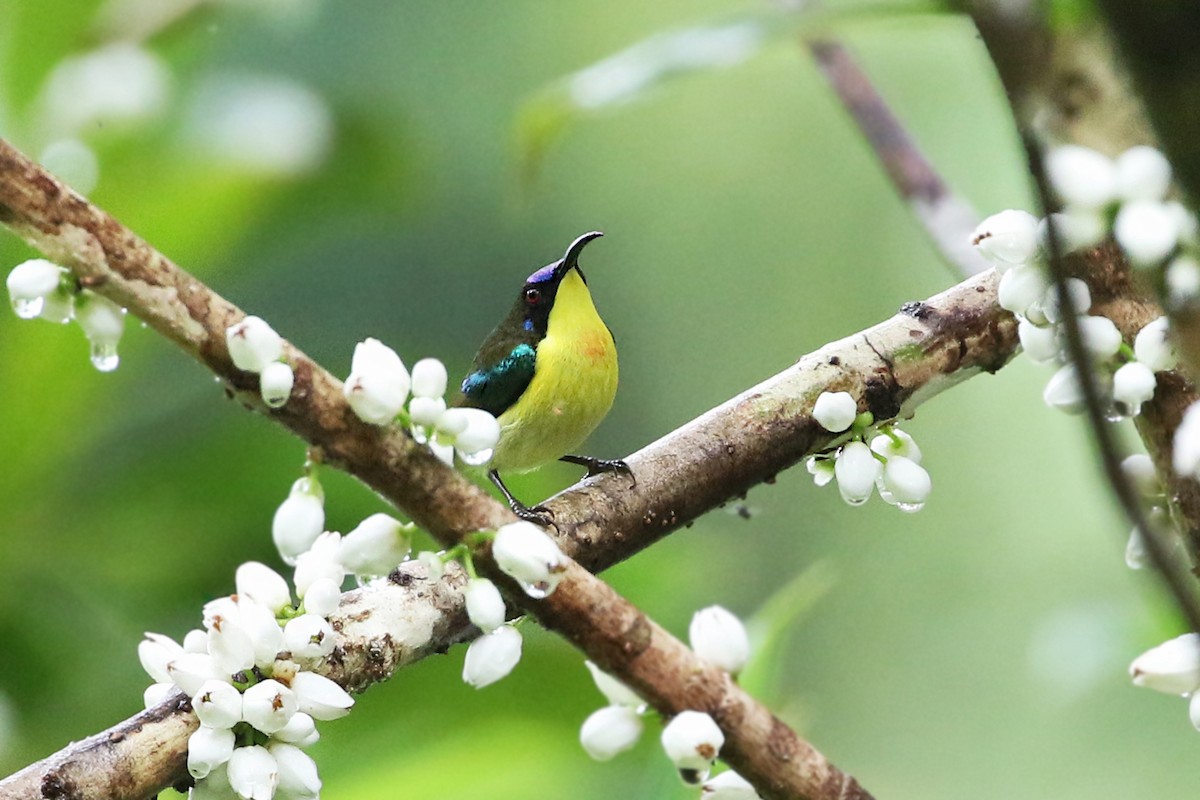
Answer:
[(572, 389)]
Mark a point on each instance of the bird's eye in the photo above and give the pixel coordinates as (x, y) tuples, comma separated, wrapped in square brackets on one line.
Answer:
[(532, 296)]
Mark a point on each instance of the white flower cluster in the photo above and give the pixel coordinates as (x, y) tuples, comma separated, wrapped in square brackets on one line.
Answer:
[(891, 462), (39, 288), (249, 675), (1173, 668), (254, 346), (378, 388), (1010, 240), (692, 740)]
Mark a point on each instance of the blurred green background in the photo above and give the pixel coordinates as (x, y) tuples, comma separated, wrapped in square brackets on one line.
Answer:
[(351, 169)]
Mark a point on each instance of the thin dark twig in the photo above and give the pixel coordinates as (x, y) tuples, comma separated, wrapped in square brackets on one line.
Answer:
[(1122, 487)]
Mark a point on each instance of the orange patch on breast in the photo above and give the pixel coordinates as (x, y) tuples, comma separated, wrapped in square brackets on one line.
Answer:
[(594, 346)]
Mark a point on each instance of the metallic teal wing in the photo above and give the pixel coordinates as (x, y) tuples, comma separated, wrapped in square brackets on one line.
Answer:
[(495, 389)]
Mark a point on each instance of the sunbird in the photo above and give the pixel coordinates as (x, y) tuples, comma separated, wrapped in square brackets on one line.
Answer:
[(548, 372)]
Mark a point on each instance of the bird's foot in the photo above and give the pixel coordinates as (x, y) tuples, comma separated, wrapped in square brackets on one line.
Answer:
[(538, 515), (598, 466)]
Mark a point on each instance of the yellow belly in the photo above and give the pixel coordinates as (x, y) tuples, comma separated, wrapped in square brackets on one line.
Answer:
[(572, 389)]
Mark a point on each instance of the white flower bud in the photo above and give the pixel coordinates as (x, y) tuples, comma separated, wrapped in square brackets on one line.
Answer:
[(719, 638), (263, 585), (323, 597), (230, 646), (29, 283), (1133, 384), (323, 560), (1185, 222), (1139, 470), (253, 773), (299, 520), (1147, 231), (527, 553), (426, 410), (618, 694), (1183, 280), (1080, 295), (481, 433), (208, 748), (275, 384), (218, 704), (308, 636), (1135, 550), (1063, 391), (1100, 336), (155, 652), (429, 378), (610, 731), (189, 671), (1039, 342), (259, 622), (1081, 176), (1152, 346), (835, 411), (821, 469), (196, 641), (376, 546), (1185, 454), (492, 656), (898, 443), (378, 384), (103, 322), (906, 482), (434, 564), (1007, 239), (300, 730), (298, 778), (692, 741), (485, 606), (1021, 287), (320, 697), (728, 786), (1143, 173), (253, 344), (156, 693), (1076, 228), (856, 470), (1173, 667), (269, 705)]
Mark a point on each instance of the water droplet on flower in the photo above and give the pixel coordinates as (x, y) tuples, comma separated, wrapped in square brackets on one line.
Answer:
[(854, 501), (538, 591), (104, 357), (477, 459), (910, 508), (420, 434), (28, 308)]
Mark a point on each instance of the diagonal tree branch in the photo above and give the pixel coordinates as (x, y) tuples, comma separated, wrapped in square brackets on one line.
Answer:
[(889, 369)]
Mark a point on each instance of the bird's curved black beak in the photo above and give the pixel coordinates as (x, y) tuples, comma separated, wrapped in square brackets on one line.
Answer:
[(570, 259)]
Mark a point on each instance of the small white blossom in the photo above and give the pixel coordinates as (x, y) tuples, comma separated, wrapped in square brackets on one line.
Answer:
[(156, 693), (1063, 391), (323, 597), (1100, 336), (426, 410), (618, 694), (261, 584), (196, 641), (1173, 667), (821, 469), (155, 652), (1147, 231), (308, 636), (1040, 342), (527, 553), (298, 778), (1139, 469), (189, 671), (1133, 384), (898, 443), (1152, 346), (1077, 291), (609, 731), (1007, 239), (218, 704), (1021, 287), (835, 411), (1185, 222), (300, 730), (269, 705), (1135, 550), (1076, 228), (376, 546), (1183, 280), (378, 383), (253, 773), (906, 483), (1081, 176), (728, 786), (30, 283), (692, 741), (299, 520), (485, 606), (719, 638), (275, 384), (429, 378), (208, 748), (470, 430), (259, 622), (1143, 173), (492, 656), (1185, 454), (321, 698), (230, 644), (434, 564), (103, 322), (253, 344), (856, 470), (323, 560)]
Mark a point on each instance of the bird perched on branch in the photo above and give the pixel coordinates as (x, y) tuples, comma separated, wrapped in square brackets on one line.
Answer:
[(548, 372)]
